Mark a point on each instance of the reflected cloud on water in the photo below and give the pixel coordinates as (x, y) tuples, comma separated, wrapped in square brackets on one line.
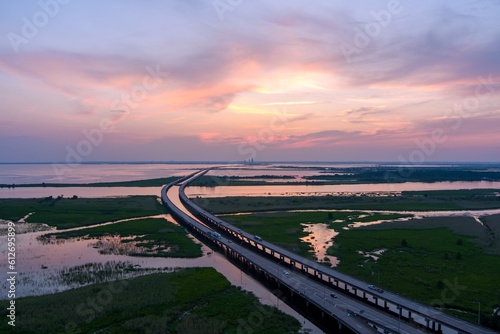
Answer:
[(321, 238)]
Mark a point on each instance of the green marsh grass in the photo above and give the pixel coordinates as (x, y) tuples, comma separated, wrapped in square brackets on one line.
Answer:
[(65, 213), (156, 236), (180, 302), (408, 201), (285, 229), (423, 258)]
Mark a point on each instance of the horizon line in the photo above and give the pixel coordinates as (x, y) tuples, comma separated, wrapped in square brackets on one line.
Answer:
[(170, 162)]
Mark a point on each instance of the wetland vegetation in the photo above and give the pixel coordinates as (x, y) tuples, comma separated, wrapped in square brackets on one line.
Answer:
[(476, 199), (145, 237), (136, 183), (65, 213), (187, 301), (286, 228), (383, 174), (358, 175), (446, 262), (99, 272), (422, 259)]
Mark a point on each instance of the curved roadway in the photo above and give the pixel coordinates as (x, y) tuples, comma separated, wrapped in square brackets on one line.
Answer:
[(354, 313), (349, 312)]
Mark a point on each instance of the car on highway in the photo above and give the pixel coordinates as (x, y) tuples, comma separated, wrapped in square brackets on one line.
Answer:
[(333, 295), (373, 287)]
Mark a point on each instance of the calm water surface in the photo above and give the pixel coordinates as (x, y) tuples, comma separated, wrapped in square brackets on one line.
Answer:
[(90, 173), (267, 190), (323, 190)]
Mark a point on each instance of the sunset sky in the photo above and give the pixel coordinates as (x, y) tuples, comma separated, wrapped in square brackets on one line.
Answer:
[(231, 80)]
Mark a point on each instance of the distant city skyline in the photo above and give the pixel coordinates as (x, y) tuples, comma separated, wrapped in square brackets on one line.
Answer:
[(376, 81)]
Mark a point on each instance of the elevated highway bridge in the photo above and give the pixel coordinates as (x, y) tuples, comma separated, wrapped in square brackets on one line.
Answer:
[(356, 306)]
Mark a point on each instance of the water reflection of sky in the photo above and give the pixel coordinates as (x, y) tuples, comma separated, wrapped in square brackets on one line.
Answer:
[(335, 189), (321, 238), (89, 173)]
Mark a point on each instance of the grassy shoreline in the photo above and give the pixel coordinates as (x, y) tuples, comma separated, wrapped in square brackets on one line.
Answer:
[(153, 237), (187, 301), (436, 200), (286, 228), (65, 213), (359, 175), (137, 183)]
